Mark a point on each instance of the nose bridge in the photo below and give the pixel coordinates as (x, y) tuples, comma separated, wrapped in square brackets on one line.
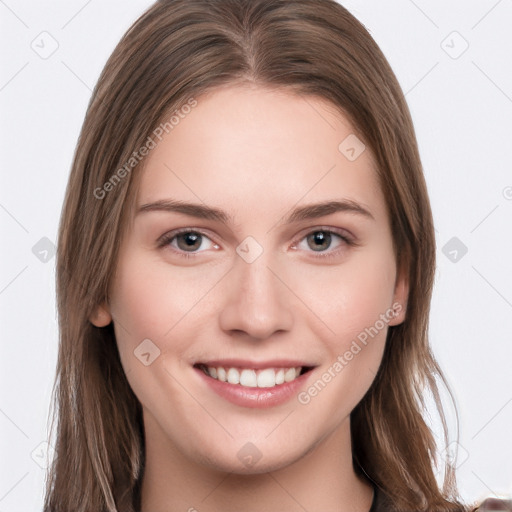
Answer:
[(256, 301)]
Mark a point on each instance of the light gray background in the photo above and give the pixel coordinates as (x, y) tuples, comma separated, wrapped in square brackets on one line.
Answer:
[(462, 106)]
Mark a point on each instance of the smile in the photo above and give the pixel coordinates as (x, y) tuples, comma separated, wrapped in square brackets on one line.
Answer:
[(254, 384), (253, 378)]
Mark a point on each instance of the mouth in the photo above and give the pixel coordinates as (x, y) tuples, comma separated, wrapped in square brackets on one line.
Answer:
[(252, 377)]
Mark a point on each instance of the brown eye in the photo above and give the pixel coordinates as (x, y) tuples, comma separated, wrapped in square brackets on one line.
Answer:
[(186, 242), (325, 243), (319, 240), (190, 241)]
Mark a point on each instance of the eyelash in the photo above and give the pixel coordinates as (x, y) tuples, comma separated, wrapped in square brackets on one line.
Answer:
[(167, 238)]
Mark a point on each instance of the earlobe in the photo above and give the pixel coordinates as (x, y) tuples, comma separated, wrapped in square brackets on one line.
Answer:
[(101, 316), (400, 297)]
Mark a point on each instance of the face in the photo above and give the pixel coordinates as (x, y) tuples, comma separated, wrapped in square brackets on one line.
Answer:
[(255, 287)]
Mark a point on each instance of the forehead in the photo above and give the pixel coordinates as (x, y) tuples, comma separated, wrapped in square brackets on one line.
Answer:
[(258, 150)]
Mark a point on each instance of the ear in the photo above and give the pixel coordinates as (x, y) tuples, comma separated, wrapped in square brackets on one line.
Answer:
[(101, 316), (400, 297)]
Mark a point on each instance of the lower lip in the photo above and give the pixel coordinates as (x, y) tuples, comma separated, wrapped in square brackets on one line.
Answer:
[(260, 398)]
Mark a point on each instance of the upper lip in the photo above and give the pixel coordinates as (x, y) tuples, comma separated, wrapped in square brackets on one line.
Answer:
[(256, 365)]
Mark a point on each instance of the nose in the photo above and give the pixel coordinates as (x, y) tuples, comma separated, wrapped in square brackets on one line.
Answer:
[(255, 303)]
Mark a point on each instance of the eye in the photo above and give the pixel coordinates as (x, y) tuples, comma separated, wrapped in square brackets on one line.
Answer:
[(187, 241), (324, 242)]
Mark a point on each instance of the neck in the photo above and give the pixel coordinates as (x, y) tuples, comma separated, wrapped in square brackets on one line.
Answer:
[(322, 479)]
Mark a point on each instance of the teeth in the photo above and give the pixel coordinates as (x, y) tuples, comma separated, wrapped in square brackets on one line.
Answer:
[(289, 374), (267, 378), (221, 374), (248, 378), (233, 376)]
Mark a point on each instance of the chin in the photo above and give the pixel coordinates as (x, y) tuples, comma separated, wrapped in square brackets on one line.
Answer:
[(250, 460)]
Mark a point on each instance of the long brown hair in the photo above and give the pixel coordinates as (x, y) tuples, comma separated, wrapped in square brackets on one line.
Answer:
[(176, 51)]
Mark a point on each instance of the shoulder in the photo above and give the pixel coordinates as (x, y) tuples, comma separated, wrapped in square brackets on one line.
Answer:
[(381, 503), (494, 505)]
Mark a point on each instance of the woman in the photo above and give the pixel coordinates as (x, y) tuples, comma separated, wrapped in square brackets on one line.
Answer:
[(244, 271)]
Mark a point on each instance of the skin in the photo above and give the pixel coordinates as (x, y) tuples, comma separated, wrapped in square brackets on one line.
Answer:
[(257, 154)]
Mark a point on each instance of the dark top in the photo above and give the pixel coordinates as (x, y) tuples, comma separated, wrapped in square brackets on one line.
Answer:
[(381, 503)]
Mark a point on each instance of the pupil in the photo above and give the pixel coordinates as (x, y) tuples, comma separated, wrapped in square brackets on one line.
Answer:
[(190, 240), (321, 238)]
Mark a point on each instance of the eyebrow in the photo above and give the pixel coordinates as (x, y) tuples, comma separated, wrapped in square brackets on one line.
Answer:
[(310, 211)]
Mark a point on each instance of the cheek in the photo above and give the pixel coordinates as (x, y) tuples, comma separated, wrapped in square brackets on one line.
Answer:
[(151, 298), (355, 312), (157, 310), (350, 297)]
